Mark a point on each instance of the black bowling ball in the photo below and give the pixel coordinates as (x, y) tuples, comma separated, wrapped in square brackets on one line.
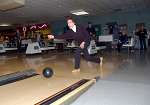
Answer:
[(48, 72)]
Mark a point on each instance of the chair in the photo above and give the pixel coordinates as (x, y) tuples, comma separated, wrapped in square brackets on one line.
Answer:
[(130, 44), (92, 47)]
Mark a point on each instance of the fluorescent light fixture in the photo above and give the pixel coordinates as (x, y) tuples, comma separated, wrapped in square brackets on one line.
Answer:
[(5, 25), (79, 12)]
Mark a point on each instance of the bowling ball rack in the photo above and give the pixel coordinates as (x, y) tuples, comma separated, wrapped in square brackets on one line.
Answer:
[(17, 76)]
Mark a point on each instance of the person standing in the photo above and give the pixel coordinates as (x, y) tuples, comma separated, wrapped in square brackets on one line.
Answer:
[(82, 37), (18, 36), (142, 32)]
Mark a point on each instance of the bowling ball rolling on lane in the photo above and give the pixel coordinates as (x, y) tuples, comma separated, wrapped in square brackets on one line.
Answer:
[(48, 72)]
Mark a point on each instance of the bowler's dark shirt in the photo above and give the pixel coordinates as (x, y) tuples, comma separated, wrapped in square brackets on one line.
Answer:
[(81, 35)]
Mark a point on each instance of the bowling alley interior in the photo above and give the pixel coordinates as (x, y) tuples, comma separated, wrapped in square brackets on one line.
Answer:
[(74, 52)]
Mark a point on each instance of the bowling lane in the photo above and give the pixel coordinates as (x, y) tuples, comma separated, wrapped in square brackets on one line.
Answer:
[(33, 90), (62, 64)]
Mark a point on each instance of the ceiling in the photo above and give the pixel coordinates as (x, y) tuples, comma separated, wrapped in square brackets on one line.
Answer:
[(35, 11)]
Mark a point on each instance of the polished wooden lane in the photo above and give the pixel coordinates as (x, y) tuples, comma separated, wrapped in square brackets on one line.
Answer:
[(33, 90), (61, 63)]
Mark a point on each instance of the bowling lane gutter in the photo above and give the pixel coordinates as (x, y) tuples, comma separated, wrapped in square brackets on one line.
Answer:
[(62, 93)]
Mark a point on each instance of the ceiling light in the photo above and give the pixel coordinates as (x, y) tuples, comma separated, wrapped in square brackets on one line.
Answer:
[(79, 12), (5, 25)]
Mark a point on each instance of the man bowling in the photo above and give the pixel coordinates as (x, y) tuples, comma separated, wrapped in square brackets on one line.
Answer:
[(82, 37)]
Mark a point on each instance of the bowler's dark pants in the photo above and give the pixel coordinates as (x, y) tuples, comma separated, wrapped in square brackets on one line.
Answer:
[(86, 56)]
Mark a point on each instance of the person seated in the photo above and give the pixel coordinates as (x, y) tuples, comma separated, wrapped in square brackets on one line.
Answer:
[(123, 39)]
